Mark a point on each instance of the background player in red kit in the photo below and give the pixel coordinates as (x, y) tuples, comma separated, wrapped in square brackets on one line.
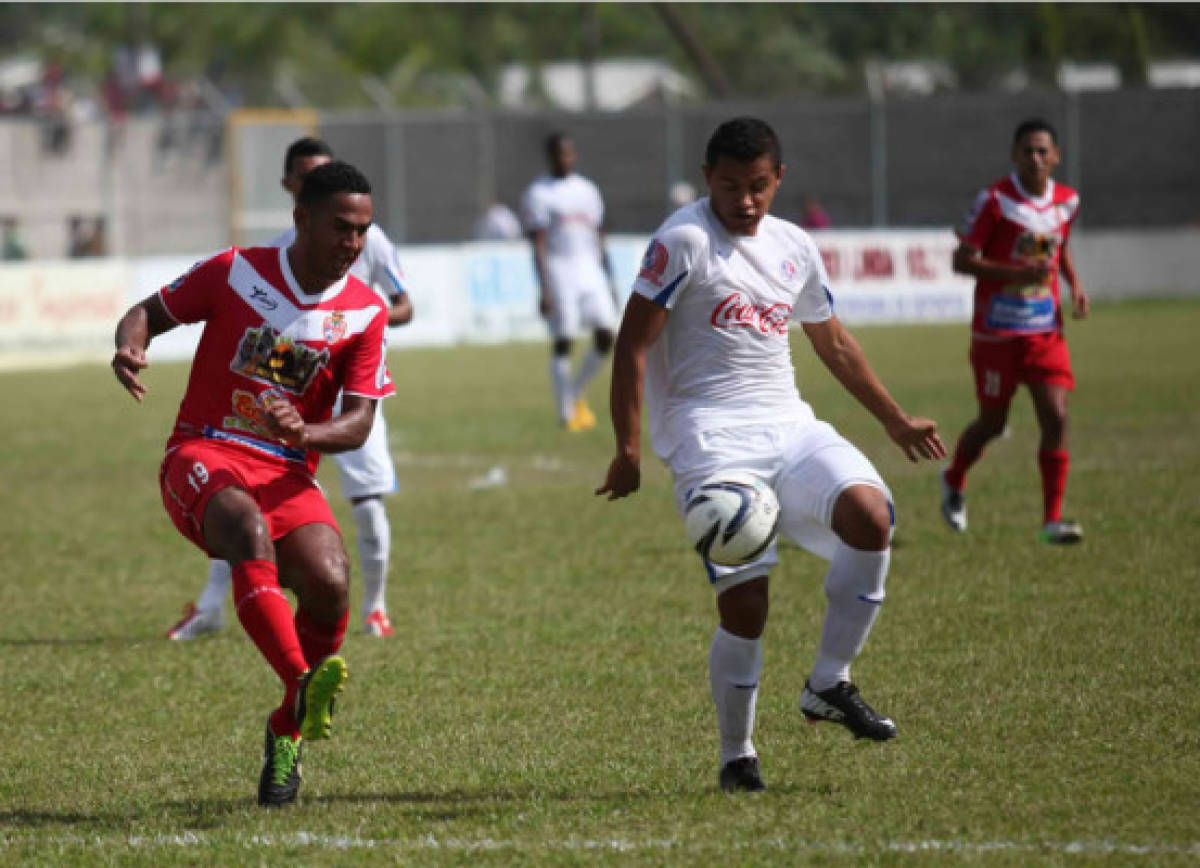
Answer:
[(1014, 243), (285, 330)]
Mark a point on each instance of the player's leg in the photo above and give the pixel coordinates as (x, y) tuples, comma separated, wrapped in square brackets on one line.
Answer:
[(995, 383), (207, 614), (367, 473), (313, 564), (834, 503), (560, 380), (1050, 404), (598, 311), (734, 665)]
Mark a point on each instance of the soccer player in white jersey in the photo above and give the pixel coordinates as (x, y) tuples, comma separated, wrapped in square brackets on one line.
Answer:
[(706, 331), (563, 215), (367, 473)]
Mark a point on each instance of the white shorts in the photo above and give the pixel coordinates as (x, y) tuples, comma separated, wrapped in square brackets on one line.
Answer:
[(808, 464), (368, 470), (581, 300)]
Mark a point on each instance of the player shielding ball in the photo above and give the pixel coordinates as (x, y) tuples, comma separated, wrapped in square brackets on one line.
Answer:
[(285, 330), (706, 331), (367, 474), (1014, 243), (563, 215)]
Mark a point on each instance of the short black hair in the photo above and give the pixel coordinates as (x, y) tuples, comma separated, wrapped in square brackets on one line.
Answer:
[(329, 180), (552, 141), (305, 147), (1034, 125), (744, 139)]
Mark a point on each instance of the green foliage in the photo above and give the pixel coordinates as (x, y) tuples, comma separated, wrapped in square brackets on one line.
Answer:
[(545, 698)]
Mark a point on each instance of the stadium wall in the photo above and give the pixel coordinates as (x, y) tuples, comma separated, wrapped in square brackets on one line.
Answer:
[(59, 312)]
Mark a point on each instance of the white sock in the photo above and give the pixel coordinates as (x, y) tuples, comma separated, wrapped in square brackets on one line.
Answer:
[(854, 589), (374, 547), (733, 667), (220, 580), (560, 377), (588, 368)]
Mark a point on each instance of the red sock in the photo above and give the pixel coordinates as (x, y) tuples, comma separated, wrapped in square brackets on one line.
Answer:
[(964, 457), (267, 617), (1053, 464), (320, 640)]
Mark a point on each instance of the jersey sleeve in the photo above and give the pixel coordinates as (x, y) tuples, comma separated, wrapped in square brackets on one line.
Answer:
[(190, 297), (815, 301), (366, 370), (385, 266), (669, 266), (978, 222), (535, 212)]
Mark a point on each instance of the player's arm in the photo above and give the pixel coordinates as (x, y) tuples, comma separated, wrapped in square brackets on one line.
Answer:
[(1081, 304), (401, 311), (640, 327), (971, 261), (842, 355), (344, 432), (539, 238), (140, 324)]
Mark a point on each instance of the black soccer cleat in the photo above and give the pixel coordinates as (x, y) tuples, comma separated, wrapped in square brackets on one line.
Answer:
[(741, 776), (843, 704), (279, 783)]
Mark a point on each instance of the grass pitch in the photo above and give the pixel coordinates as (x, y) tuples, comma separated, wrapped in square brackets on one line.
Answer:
[(546, 699)]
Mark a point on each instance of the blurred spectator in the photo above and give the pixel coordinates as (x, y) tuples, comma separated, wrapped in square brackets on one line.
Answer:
[(86, 238), (498, 223), (13, 245), (812, 215), (681, 193)]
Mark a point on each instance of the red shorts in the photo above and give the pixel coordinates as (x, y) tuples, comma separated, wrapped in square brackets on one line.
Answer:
[(191, 474), (1001, 366)]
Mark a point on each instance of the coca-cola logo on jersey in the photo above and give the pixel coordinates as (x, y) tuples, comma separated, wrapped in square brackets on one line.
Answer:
[(737, 310)]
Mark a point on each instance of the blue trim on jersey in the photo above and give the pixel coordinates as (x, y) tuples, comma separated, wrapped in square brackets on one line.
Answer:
[(828, 295), (400, 290), (276, 449), (891, 514), (663, 297)]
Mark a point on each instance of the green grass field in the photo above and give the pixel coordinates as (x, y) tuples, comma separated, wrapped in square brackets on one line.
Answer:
[(546, 696)]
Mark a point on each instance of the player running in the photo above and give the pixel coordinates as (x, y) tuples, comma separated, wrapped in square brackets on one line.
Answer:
[(286, 331), (707, 329), (563, 215), (367, 474), (1014, 243)]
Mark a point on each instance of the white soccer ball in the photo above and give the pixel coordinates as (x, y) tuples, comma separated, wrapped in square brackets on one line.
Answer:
[(731, 518)]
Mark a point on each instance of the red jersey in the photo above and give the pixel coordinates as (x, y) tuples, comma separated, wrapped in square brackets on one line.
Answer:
[(265, 338), (1008, 225)]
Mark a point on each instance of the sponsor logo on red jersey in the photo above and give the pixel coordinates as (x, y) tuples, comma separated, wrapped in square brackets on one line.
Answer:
[(266, 355), (654, 263), (736, 310)]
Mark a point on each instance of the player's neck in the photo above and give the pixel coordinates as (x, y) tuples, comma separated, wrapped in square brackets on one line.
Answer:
[(308, 282), (1035, 186)]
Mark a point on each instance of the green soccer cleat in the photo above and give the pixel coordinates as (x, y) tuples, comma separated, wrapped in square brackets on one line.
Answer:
[(319, 688), (279, 783)]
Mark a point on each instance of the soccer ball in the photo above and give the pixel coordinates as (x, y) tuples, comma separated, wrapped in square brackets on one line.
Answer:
[(731, 518)]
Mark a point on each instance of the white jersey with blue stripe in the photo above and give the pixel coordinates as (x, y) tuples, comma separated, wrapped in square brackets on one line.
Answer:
[(377, 266), (723, 359)]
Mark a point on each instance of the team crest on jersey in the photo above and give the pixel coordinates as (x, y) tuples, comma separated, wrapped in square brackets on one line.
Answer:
[(266, 355), (787, 270), (654, 263), (335, 327)]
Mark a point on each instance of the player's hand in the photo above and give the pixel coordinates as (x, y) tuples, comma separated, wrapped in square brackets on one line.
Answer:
[(284, 422), (917, 438), (127, 362), (545, 306), (1081, 304), (624, 477)]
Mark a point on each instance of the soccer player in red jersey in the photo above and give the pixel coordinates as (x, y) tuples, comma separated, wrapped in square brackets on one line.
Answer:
[(285, 330), (1014, 243)]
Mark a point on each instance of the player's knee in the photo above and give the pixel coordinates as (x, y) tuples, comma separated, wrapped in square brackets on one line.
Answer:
[(604, 341), (743, 608), (863, 518), (238, 536), (561, 347)]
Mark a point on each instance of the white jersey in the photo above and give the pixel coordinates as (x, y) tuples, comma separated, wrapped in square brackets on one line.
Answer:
[(377, 266), (722, 359), (571, 212)]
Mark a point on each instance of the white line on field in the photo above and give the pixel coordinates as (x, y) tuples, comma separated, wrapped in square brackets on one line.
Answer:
[(622, 845)]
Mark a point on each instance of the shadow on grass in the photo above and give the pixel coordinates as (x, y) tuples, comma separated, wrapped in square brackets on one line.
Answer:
[(92, 640), (27, 819)]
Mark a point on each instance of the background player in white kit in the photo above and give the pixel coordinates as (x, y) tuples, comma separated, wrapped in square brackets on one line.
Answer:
[(563, 215), (707, 328), (367, 473)]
